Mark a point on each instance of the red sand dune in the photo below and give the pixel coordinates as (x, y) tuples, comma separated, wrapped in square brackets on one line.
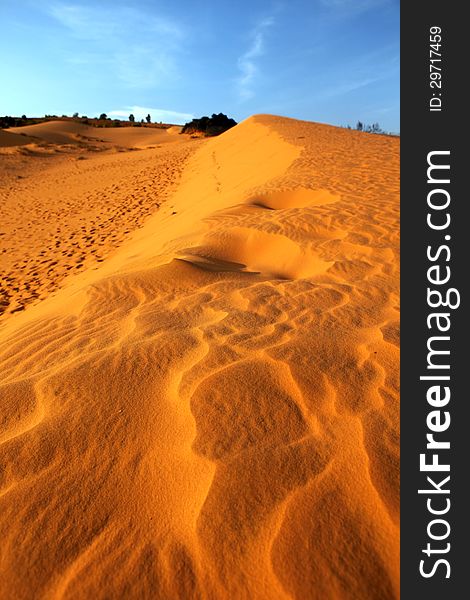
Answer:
[(210, 411), (71, 132)]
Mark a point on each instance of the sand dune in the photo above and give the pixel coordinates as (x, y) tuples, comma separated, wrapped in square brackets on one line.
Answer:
[(71, 132), (62, 212), (9, 139), (212, 410)]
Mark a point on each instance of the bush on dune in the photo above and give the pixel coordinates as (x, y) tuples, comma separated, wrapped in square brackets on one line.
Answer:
[(209, 126)]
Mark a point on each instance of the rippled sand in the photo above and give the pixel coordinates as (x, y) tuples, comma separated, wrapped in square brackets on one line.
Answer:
[(209, 407)]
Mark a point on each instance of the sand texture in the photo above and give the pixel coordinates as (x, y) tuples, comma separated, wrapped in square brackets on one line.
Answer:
[(205, 404), (67, 207)]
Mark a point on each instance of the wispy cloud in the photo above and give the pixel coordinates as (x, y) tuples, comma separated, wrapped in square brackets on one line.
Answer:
[(346, 8), (157, 114), (348, 86), (247, 63), (140, 61), (96, 22)]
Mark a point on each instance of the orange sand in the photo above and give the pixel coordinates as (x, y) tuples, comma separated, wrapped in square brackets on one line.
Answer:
[(68, 207), (208, 407)]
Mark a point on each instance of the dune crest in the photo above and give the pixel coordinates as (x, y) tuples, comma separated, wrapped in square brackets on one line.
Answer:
[(212, 411)]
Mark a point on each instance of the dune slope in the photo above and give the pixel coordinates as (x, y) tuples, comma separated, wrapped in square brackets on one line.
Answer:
[(71, 132), (8, 139), (213, 412)]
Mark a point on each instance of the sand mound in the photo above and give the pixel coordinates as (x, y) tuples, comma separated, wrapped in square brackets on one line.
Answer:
[(212, 412), (136, 137), (9, 138), (71, 132), (174, 129), (297, 198), (54, 132), (273, 254)]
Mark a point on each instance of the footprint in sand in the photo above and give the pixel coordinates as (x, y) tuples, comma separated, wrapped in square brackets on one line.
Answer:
[(297, 198)]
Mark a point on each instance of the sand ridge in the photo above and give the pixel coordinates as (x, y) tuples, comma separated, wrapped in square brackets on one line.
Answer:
[(213, 411)]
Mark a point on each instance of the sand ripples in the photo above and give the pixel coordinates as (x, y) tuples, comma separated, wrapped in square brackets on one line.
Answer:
[(222, 423)]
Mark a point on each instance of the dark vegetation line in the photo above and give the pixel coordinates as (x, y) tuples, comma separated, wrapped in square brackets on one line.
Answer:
[(102, 121)]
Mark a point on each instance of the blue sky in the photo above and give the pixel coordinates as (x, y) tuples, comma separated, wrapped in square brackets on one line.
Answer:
[(332, 61)]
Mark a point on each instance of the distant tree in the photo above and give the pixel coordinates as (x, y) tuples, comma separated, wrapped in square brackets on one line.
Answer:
[(131, 118), (24, 117), (84, 117), (142, 121), (75, 115), (103, 116), (360, 126), (148, 118)]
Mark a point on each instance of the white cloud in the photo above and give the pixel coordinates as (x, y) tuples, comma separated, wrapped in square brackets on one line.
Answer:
[(247, 62), (157, 114), (140, 61)]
